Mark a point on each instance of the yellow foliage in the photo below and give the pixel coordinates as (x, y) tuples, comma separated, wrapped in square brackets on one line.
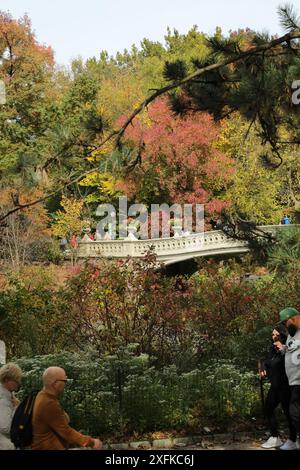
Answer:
[(232, 136), (254, 189), (118, 96), (143, 116), (36, 215), (105, 149), (106, 185), (69, 221)]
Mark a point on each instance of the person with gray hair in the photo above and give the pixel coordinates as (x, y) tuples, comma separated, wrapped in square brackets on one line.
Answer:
[(50, 423), (10, 380)]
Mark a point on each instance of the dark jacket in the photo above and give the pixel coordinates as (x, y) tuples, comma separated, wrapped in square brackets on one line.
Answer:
[(274, 363)]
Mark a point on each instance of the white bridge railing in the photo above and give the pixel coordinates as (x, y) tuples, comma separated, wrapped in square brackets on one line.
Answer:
[(169, 250)]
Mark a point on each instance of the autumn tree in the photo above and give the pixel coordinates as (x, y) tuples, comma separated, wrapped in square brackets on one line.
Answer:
[(254, 191), (255, 81), (178, 159), (49, 118), (123, 81), (68, 221), (253, 77), (227, 74), (129, 76), (26, 67), (118, 303), (24, 230)]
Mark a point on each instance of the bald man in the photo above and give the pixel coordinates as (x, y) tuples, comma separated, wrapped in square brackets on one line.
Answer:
[(50, 424)]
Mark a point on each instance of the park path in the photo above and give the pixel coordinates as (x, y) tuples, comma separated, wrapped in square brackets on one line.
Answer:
[(228, 444)]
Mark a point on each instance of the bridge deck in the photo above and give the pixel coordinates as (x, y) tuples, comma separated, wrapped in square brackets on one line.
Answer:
[(169, 250)]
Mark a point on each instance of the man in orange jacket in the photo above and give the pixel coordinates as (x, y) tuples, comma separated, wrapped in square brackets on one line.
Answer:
[(50, 424)]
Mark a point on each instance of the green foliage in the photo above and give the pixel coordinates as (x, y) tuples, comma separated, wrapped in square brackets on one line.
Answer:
[(288, 17), (285, 255), (46, 250), (254, 191), (228, 390), (26, 68), (257, 192), (175, 70), (124, 393), (235, 316), (245, 350), (256, 86), (32, 313)]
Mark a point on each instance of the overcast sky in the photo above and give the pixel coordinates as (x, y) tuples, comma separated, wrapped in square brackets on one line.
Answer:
[(85, 27)]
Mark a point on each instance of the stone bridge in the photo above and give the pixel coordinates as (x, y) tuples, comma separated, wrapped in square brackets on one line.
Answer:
[(170, 250)]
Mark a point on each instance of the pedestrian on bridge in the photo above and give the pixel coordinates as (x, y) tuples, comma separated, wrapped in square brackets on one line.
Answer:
[(285, 220)]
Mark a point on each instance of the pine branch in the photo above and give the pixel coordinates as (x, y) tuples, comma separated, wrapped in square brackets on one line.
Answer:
[(225, 46), (175, 70), (288, 17)]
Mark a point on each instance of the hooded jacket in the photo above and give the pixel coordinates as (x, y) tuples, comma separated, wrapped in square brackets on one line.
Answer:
[(292, 358)]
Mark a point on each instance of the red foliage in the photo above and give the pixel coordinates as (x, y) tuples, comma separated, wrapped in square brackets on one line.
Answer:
[(134, 303), (180, 153), (25, 55)]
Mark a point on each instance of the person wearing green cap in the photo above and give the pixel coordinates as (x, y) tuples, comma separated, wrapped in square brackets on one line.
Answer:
[(287, 314), (290, 317), (278, 393)]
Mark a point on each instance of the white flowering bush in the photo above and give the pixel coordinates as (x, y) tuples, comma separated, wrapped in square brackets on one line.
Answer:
[(125, 393)]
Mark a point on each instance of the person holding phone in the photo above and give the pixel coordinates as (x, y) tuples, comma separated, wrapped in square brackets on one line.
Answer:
[(279, 392)]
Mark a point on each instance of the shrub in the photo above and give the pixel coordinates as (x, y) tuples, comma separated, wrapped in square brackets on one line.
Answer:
[(124, 393), (46, 250)]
